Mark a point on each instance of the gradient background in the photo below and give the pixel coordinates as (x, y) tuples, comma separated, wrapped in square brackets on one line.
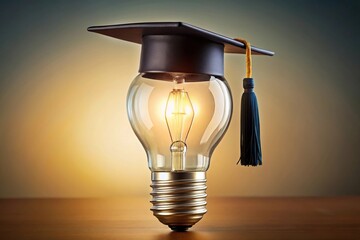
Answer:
[(63, 125)]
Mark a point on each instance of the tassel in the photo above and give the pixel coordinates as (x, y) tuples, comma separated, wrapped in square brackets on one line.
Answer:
[(250, 127), (250, 144)]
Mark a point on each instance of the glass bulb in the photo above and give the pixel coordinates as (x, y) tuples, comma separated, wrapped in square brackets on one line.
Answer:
[(179, 120)]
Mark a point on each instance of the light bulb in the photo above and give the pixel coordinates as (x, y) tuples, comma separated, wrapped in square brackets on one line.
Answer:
[(179, 107), (179, 122)]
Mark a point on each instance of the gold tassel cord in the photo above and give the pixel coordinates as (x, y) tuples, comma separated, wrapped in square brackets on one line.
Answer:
[(248, 56)]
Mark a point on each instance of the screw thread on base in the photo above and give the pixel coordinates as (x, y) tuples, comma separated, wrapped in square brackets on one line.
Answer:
[(178, 198)]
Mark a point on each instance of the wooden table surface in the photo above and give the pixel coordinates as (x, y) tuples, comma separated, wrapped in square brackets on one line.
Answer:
[(227, 218)]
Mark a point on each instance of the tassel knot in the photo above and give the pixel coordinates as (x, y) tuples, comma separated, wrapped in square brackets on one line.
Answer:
[(248, 84)]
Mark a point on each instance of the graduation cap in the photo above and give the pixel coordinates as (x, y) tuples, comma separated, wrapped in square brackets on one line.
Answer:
[(177, 47)]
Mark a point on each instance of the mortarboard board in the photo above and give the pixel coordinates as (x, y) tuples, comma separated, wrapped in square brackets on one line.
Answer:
[(133, 32)]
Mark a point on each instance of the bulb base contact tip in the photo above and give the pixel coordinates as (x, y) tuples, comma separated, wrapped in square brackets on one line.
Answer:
[(178, 198)]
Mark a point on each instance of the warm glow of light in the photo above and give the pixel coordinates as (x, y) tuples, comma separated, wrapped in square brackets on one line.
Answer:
[(179, 114), (195, 108), (63, 123)]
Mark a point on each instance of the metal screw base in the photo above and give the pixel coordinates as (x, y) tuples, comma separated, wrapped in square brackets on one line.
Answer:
[(179, 198)]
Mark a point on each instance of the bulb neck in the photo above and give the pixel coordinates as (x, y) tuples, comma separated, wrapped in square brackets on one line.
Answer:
[(178, 198)]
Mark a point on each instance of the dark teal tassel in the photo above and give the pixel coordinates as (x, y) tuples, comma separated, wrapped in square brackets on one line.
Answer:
[(250, 127)]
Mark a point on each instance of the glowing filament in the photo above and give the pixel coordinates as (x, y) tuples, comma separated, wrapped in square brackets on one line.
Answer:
[(179, 115)]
